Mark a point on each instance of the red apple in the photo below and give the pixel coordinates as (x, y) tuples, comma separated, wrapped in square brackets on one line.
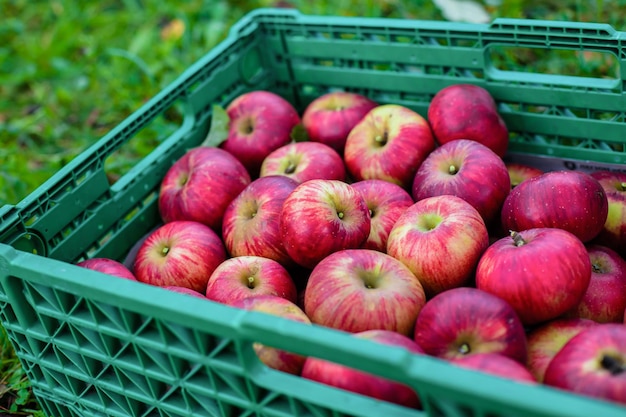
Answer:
[(389, 143), (362, 289), (465, 321), (466, 169), (320, 217), (592, 363), (613, 234), (354, 380), (108, 266), (547, 339), (542, 272), (440, 239), (519, 172), (200, 185), (251, 223), (386, 201), (330, 117), (605, 298), (303, 161), (278, 306), (184, 290), (569, 200), (179, 253), (247, 276), (496, 364), (259, 123), (465, 111)]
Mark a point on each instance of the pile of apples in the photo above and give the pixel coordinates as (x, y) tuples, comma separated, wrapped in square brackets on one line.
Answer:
[(410, 231)]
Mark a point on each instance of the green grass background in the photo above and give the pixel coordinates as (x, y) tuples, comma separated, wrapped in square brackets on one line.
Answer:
[(70, 71)]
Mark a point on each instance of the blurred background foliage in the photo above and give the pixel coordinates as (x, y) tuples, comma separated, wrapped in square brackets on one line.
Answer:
[(71, 70)]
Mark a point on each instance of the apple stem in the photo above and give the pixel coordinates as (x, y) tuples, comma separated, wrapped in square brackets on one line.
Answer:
[(452, 169), (371, 213), (623, 186), (518, 240), (613, 365), (464, 349), (291, 168), (597, 269), (250, 282), (165, 251), (340, 214), (382, 139)]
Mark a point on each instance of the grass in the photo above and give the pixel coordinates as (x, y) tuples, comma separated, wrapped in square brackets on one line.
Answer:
[(73, 70)]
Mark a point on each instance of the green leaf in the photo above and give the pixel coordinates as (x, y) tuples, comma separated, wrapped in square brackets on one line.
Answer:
[(218, 132), (299, 133)]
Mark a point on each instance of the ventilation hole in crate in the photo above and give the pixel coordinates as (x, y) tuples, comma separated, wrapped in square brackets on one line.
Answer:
[(324, 62), (591, 64), (56, 379), (77, 386), (225, 356), (107, 317), (127, 359), (230, 385), (34, 372), (165, 367), (47, 327), (95, 344), (28, 222), (7, 313), (451, 408), (117, 403), (30, 242), (113, 345), (90, 398), (200, 380), (140, 386), (176, 336), (619, 117), (70, 360), (181, 402)]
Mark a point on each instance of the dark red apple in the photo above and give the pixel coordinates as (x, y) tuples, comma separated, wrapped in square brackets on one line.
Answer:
[(200, 185), (592, 363), (542, 273), (569, 200), (464, 321), (613, 234), (259, 123), (330, 117), (466, 111), (466, 169), (605, 298)]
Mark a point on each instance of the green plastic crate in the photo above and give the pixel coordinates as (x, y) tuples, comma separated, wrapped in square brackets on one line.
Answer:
[(93, 346)]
